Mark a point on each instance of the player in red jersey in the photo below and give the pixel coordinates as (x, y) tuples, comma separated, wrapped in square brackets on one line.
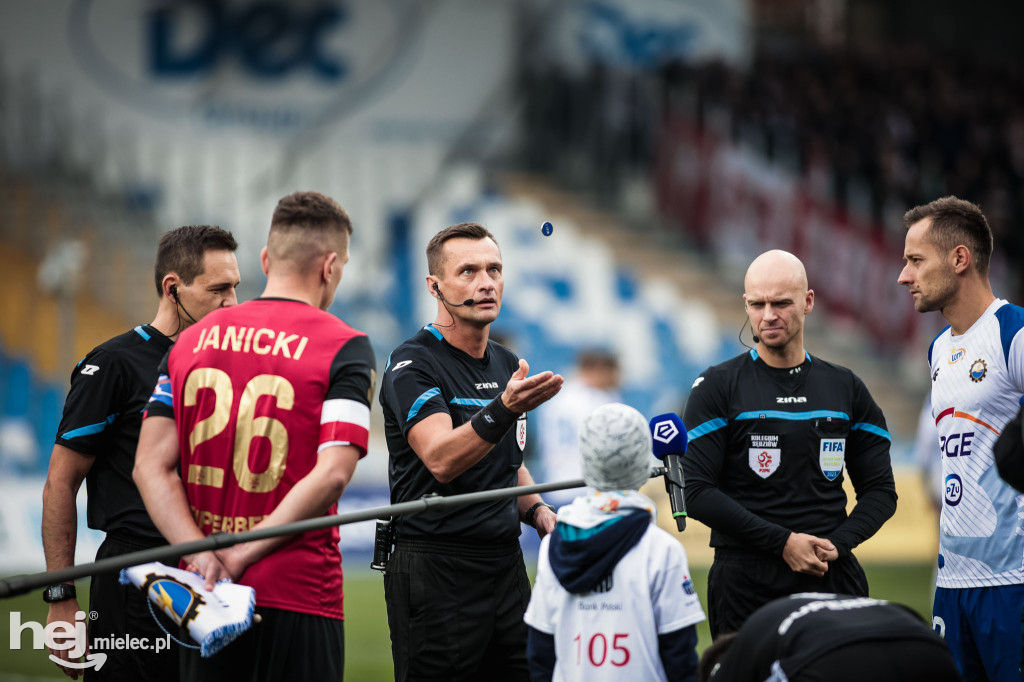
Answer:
[(266, 412)]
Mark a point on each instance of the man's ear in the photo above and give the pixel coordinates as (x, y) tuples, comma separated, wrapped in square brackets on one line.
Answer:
[(169, 286), (960, 259), (330, 262), (265, 260), (432, 285), (810, 301)]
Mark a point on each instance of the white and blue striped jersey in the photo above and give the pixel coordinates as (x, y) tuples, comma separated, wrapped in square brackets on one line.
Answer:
[(977, 387)]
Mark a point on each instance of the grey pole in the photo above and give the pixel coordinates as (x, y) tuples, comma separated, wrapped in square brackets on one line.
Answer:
[(20, 584)]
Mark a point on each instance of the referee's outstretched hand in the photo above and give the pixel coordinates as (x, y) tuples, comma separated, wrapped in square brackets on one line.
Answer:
[(523, 393), (802, 551)]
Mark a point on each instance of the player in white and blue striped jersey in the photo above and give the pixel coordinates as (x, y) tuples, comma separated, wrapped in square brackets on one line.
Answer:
[(977, 370)]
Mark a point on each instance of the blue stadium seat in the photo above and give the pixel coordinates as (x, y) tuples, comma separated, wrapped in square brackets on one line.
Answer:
[(17, 388)]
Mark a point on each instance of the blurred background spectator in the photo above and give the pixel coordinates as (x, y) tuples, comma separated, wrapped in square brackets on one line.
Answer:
[(594, 382)]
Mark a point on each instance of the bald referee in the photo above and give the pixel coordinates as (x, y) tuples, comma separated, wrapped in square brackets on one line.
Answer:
[(454, 417), (773, 434)]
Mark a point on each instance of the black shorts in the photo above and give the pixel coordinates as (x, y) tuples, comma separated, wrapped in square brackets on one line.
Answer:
[(740, 582), (456, 611), (285, 645), (123, 611)]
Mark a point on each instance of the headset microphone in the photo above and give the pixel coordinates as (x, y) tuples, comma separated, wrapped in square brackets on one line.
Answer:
[(177, 301), (669, 439), (752, 333), (470, 302)]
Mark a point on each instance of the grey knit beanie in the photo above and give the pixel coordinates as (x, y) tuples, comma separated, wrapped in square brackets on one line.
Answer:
[(615, 448)]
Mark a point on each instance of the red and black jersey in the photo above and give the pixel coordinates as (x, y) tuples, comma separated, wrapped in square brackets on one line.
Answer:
[(257, 390)]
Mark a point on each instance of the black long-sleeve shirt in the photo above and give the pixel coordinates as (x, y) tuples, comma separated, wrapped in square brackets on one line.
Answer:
[(769, 449)]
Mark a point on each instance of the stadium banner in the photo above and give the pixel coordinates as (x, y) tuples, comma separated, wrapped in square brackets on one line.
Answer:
[(737, 205), (643, 34)]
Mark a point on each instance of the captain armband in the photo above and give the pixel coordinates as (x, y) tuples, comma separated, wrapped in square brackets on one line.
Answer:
[(493, 421)]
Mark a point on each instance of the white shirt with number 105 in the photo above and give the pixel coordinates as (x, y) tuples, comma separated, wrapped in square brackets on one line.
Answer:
[(612, 632)]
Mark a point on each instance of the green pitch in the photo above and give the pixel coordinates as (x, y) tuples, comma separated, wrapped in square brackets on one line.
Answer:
[(367, 642)]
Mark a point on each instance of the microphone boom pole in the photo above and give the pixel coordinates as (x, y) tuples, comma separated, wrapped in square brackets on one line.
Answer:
[(21, 584)]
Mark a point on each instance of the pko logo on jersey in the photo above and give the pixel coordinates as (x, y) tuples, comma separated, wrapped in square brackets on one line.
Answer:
[(956, 444), (954, 490), (266, 64), (831, 455)]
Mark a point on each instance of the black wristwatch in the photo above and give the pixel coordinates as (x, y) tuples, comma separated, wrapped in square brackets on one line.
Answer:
[(59, 592), (532, 511)]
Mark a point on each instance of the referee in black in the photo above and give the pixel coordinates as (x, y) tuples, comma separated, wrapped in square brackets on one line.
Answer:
[(454, 417), (830, 638), (773, 432), (196, 272)]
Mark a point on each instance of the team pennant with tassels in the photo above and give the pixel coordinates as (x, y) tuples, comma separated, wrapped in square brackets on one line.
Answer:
[(213, 618)]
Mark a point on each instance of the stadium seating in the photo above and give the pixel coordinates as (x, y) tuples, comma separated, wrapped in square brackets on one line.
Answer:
[(30, 409)]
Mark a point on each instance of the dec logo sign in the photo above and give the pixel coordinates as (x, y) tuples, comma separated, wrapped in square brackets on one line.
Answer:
[(268, 39), (271, 65)]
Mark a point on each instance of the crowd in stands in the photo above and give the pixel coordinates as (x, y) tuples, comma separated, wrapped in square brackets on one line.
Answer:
[(886, 130)]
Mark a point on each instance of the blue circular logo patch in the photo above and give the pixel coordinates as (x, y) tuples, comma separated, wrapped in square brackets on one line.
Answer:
[(546, 229), (954, 490)]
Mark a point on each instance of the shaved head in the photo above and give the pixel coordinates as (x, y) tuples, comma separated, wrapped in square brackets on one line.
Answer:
[(776, 299), (304, 227), (299, 250), (777, 267)]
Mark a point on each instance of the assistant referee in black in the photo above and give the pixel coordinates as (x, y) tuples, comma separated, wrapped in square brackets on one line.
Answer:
[(454, 416), (773, 433), (195, 272)]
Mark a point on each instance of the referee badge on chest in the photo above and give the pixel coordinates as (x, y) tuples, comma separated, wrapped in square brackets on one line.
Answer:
[(521, 432), (764, 455), (831, 455)]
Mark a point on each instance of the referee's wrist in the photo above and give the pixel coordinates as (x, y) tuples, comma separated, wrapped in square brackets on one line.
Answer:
[(493, 421), (531, 513)]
